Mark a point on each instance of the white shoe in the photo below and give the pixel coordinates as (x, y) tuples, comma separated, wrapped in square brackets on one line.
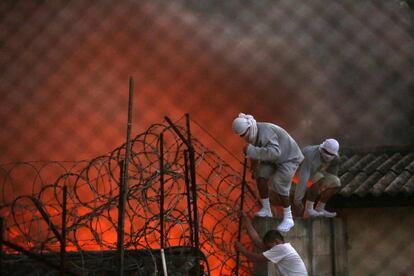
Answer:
[(286, 225), (327, 214), (312, 213), (264, 213)]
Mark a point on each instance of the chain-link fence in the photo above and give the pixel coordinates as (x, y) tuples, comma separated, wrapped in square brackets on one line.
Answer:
[(320, 69)]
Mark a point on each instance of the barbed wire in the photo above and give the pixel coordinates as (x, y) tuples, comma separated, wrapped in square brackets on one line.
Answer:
[(92, 201)]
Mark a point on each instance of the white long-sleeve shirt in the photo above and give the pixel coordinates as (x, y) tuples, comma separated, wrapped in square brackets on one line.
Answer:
[(274, 144), (310, 165)]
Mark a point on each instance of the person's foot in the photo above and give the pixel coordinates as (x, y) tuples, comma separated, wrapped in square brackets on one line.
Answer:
[(327, 214), (264, 213), (285, 225), (312, 213)]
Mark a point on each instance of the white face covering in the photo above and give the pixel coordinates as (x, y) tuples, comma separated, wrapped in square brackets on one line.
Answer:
[(246, 125), (327, 157)]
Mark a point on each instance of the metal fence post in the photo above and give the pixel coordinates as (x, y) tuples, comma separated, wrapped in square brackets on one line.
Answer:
[(1, 246), (63, 242), (240, 213), (123, 187), (161, 160), (188, 194)]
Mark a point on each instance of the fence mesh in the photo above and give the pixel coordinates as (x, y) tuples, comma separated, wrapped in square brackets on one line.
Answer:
[(319, 69)]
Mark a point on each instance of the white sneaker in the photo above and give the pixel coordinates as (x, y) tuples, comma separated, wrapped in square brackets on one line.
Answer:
[(327, 214), (312, 213), (285, 225), (264, 213)]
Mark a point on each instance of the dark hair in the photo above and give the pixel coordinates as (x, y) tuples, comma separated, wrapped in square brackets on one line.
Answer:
[(273, 235)]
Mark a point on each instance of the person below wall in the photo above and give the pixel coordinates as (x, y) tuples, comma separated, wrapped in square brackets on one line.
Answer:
[(321, 166), (275, 158), (274, 249)]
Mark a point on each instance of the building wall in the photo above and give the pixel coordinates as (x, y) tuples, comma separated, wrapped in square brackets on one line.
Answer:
[(368, 241), (380, 241)]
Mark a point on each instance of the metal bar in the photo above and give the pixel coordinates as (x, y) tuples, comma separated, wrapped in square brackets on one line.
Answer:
[(188, 127), (194, 195), (193, 189), (188, 192), (121, 204), (34, 256), (63, 243), (192, 177), (164, 263), (1, 246), (192, 171), (240, 213), (46, 218), (177, 131), (161, 160), (123, 191)]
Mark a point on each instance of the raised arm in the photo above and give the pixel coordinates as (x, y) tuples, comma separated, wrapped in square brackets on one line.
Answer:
[(253, 233), (252, 256)]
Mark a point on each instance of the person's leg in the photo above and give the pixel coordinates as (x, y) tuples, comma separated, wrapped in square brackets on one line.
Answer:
[(262, 174), (274, 198), (287, 222), (325, 196), (284, 200), (263, 189), (281, 182), (330, 186), (312, 194)]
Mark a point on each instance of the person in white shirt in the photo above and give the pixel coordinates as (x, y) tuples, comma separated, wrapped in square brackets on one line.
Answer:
[(275, 157), (274, 249)]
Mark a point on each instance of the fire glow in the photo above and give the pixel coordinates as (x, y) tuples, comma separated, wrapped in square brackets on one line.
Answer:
[(92, 203)]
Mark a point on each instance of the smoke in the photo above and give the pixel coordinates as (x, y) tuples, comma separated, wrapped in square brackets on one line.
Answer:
[(319, 69)]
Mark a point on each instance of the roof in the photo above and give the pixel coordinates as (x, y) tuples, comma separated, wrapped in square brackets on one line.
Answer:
[(377, 171)]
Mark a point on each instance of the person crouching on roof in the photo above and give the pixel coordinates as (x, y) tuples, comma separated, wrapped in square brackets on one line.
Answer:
[(321, 166)]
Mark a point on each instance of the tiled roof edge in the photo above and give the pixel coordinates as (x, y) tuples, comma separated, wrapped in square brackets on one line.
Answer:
[(377, 149)]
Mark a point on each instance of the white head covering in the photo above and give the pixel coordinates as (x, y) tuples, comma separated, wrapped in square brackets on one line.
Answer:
[(331, 146), (245, 123)]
